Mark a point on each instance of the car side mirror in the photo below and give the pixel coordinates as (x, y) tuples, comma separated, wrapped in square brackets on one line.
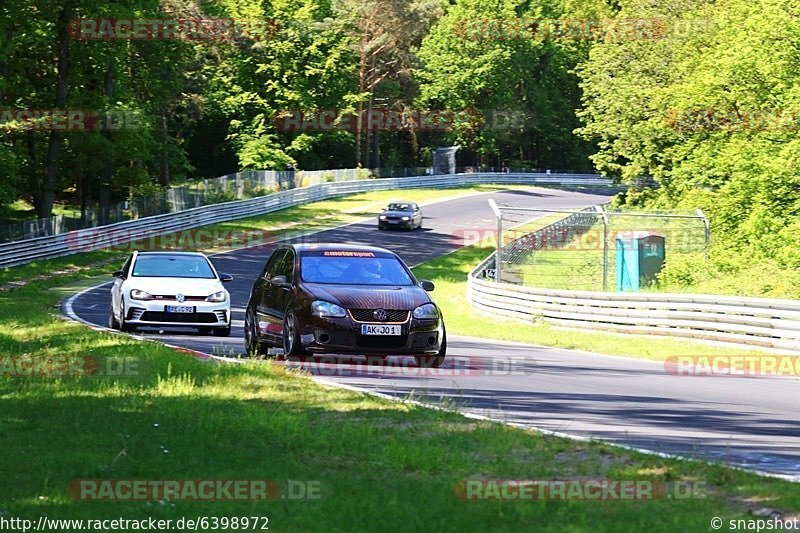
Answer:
[(428, 286), (225, 278), (280, 281), (119, 274)]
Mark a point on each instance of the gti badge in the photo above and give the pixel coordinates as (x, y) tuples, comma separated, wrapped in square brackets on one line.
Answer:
[(380, 315), (180, 298)]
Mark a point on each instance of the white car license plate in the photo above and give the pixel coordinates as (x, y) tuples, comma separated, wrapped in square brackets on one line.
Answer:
[(377, 329), (180, 309)]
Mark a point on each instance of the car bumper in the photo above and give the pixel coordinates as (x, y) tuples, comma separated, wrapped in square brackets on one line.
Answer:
[(403, 224), (343, 335), (155, 313)]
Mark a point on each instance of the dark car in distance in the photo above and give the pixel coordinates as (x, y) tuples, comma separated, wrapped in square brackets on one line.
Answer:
[(404, 215), (345, 299)]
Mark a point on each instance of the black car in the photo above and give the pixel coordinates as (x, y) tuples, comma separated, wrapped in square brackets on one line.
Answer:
[(405, 215), (332, 298)]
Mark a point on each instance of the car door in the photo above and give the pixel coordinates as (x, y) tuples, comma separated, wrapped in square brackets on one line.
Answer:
[(116, 288), (417, 220), (282, 296), (263, 292)]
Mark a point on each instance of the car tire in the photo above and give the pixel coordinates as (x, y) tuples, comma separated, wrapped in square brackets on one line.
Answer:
[(113, 323), (381, 228), (420, 224), (124, 326), (291, 337), (252, 346), (434, 361)]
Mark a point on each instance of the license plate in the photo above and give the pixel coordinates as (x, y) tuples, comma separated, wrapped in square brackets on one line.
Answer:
[(393, 221), (180, 309), (377, 329)]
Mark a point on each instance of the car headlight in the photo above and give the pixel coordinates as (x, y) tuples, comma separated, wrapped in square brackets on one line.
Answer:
[(406, 218), (217, 297), (426, 311), (326, 309), (383, 217), (136, 294)]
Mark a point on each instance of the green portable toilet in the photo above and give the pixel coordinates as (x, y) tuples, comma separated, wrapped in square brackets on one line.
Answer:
[(640, 256)]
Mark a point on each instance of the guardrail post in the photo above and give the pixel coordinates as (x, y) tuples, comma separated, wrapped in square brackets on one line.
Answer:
[(599, 209), (498, 256), (707, 228)]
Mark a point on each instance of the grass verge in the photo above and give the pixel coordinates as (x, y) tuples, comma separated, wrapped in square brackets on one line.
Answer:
[(377, 463)]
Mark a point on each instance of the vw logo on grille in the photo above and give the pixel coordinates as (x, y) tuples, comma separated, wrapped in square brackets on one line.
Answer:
[(380, 315), (180, 298)]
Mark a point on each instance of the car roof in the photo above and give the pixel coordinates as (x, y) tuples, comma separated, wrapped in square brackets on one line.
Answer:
[(167, 252), (324, 246)]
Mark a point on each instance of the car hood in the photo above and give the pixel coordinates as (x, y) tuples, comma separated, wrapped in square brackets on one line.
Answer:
[(397, 213), (172, 286), (361, 297)]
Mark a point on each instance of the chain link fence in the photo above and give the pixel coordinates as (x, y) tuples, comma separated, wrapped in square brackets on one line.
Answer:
[(576, 249)]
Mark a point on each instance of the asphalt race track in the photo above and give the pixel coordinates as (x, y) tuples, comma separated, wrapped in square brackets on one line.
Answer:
[(746, 422)]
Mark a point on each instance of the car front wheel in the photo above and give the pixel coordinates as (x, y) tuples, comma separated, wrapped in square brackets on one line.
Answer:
[(113, 323), (291, 337), (123, 326)]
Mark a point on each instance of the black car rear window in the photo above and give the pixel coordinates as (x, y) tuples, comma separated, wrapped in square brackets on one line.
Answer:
[(353, 268)]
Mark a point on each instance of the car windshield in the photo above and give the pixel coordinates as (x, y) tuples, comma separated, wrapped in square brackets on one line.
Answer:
[(172, 266), (399, 207), (368, 269)]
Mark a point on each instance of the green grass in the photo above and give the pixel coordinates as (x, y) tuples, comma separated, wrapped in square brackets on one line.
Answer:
[(21, 211), (380, 465), (449, 273)]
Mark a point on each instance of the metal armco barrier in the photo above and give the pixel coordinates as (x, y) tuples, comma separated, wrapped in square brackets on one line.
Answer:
[(21, 252), (762, 322)]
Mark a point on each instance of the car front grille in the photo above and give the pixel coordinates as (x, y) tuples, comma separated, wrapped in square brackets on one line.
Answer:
[(186, 318), (173, 297), (368, 315)]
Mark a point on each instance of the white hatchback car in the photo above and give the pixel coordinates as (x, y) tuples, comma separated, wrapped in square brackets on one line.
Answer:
[(170, 289)]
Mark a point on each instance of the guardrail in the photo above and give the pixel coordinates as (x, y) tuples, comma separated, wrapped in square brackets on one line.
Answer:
[(763, 322), (21, 252)]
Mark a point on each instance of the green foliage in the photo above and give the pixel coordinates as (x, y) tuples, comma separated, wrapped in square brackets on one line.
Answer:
[(708, 112)]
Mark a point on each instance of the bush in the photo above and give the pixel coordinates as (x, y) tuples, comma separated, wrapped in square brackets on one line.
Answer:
[(683, 271)]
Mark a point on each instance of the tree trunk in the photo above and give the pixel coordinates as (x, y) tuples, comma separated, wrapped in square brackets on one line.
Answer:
[(370, 132), (105, 177), (164, 173), (44, 208)]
